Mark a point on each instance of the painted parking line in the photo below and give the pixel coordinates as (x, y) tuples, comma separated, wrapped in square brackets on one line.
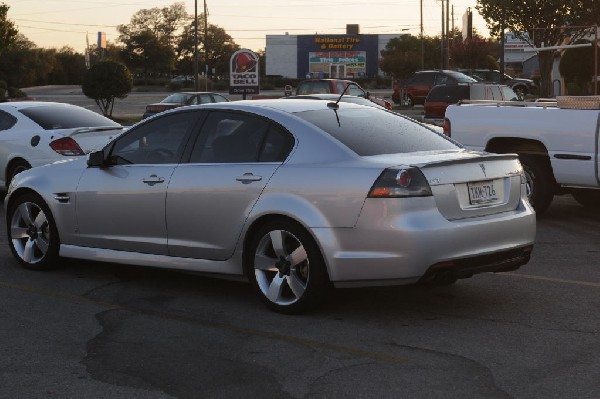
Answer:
[(309, 343), (551, 279)]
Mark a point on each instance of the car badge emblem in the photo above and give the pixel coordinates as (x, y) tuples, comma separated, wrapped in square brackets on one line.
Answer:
[(482, 166)]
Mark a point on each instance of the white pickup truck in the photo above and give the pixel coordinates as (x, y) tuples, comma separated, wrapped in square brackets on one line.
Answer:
[(557, 142)]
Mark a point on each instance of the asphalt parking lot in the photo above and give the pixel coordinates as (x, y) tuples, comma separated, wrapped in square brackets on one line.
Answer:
[(95, 330)]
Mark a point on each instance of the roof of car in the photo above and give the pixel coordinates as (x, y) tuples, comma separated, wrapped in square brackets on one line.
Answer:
[(29, 104), (285, 105)]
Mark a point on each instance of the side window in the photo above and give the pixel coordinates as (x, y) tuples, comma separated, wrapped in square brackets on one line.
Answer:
[(340, 87), (496, 93), (219, 98), (228, 137), (441, 79), (204, 99), (159, 141), (277, 145), (354, 90), (425, 79), (6, 120)]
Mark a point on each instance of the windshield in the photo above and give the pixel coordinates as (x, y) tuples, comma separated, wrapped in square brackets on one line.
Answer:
[(372, 131)]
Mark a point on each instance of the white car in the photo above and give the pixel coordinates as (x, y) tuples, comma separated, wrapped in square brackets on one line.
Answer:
[(34, 133)]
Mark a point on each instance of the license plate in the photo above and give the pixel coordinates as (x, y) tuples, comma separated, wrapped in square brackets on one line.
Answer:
[(482, 192)]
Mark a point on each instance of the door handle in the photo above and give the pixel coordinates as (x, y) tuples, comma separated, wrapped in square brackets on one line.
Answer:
[(248, 178), (153, 179)]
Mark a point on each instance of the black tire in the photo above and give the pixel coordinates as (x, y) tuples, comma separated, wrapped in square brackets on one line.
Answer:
[(541, 185), (286, 267), (407, 101), (587, 198), (15, 168), (32, 234), (521, 91)]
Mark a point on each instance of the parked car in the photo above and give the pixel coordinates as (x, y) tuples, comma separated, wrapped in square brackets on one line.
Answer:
[(338, 86), (415, 88), (34, 133), (441, 96), (184, 98), (294, 195), (335, 97), (521, 86)]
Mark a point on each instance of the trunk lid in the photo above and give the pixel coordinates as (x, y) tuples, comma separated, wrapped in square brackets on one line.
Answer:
[(467, 184)]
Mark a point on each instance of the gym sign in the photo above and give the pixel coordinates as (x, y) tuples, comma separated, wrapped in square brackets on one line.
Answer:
[(244, 73)]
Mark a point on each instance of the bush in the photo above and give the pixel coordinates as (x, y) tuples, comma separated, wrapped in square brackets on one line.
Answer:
[(105, 81)]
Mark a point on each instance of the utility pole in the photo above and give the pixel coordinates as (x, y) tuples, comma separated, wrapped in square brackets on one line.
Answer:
[(195, 45), (422, 40), (442, 41), (446, 60), (205, 46)]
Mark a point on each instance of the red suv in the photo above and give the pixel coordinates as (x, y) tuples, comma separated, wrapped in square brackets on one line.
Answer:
[(414, 90)]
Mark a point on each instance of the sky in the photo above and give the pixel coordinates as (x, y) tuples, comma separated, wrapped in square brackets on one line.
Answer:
[(58, 23)]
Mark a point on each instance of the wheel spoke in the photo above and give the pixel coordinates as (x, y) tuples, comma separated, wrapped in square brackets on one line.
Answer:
[(298, 256), (277, 242), (28, 251), (296, 285), (42, 244), (263, 262), (18, 232), (40, 220), (275, 288), (25, 210)]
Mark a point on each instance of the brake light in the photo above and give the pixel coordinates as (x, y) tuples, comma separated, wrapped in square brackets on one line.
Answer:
[(66, 146), (447, 127), (400, 182)]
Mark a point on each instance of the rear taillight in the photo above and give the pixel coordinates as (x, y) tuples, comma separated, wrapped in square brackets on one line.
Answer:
[(400, 182), (66, 146), (447, 127)]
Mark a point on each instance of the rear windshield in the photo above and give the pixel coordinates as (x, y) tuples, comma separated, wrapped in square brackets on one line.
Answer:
[(371, 131), (65, 117), (448, 94), (177, 98), (313, 88)]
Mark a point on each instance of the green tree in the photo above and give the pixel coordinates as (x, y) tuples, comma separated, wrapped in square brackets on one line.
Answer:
[(476, 52), (214, 50), (149, 39), (544, 21), (577, 65), (402, 55), (8, 32), (104, 82)]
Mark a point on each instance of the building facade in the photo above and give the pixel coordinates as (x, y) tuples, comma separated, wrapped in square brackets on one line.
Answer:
[(325, 56)]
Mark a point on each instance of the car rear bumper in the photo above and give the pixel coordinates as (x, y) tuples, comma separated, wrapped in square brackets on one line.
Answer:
[(414, 244)]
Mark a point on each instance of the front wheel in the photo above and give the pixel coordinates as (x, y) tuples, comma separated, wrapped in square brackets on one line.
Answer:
[(32, 233), (539, 180), (407, 101), (286, 267)]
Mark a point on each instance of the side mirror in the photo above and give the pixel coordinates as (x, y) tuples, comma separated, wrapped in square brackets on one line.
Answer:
[(96, 159)]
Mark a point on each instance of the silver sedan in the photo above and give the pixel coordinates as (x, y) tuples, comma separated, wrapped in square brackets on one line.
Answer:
[(297, 196)]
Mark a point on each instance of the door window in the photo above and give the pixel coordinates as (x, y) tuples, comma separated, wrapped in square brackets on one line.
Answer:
[(228, 137), (159, 141)]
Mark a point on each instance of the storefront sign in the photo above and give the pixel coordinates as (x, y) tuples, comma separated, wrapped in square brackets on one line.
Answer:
[(244, 73)]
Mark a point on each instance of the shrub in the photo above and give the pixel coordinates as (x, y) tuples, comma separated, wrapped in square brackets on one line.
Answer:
[(105, 81)]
